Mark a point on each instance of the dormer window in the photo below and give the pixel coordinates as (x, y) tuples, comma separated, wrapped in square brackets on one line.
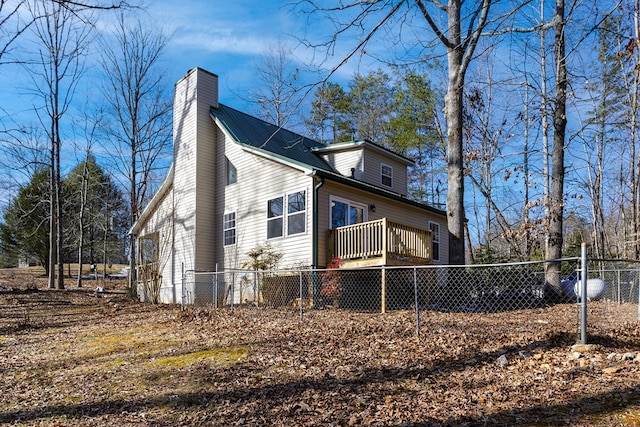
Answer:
[(386, 175)]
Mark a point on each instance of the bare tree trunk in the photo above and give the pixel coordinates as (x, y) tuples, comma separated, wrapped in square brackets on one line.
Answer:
[(134, 216), (83, 204), (526, 220), (52, 219), (455, 167), (634, 164), (60, 230), (63, 39), (556, 208), (544, 115), (141, 127)]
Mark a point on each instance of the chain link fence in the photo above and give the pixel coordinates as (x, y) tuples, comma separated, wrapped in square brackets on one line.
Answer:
[(464, 289)]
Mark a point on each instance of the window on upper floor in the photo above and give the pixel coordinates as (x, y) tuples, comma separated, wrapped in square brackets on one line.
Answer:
[(229, 228), (435, 239), (231, 172), (386, 175)]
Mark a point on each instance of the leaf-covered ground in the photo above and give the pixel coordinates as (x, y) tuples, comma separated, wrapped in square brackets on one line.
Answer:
[(77, 357)]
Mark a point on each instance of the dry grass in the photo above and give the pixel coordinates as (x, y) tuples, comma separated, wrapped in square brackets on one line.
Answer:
[(75, 357)]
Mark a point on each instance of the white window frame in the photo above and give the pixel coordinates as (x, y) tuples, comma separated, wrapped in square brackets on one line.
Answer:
[(434, 227), (228, 166), (227, 226), (286, 215), (349, 203), (276, 217), (384, 175), (302, 213)]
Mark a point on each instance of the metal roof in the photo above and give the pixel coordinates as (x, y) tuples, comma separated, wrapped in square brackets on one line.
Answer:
[(249, 130), (282, 143)]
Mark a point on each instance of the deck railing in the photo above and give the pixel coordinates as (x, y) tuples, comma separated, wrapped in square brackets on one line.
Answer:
[(383, 242)]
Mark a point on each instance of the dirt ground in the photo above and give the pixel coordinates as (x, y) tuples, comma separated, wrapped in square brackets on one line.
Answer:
[(80, 357)]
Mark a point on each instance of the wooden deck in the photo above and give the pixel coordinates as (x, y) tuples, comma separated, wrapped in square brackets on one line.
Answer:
[(380, 243)]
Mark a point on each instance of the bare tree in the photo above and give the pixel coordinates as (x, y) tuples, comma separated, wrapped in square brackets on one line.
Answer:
[(12, 25), (458, 27), (632, 83), (62, 40), (140, 121), (559, 115), (16, 17), (279, 84)]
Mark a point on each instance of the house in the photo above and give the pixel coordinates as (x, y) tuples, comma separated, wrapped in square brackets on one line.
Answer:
[(237, 182)]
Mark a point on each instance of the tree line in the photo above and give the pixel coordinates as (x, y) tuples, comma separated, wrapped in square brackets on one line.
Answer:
[(129, 129), (539, 109), (520, 116), (94, 214)]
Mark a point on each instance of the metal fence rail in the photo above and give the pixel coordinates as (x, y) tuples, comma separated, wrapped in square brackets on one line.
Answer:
[(465, 289)]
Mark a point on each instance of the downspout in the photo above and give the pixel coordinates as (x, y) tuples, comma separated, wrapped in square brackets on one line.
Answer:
[(314, 238), (315, 232), (173, 251)]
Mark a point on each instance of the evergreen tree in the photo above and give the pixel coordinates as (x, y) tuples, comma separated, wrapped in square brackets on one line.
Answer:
[(413, 132), (24, 233), (95, 215), (370, 106), (328, 121)]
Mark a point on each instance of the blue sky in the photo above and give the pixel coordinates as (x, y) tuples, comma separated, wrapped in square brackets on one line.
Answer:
[(228, 38), (224, 37)]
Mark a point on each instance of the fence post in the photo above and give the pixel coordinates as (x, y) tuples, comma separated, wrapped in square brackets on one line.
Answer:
[(415, 296), (583, 294), (215, 288), (300, 295), (383, 291), (184, 286), (637, 279), (233, 285)]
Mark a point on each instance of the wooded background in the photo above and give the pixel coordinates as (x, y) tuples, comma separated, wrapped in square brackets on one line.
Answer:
[(520, 117)]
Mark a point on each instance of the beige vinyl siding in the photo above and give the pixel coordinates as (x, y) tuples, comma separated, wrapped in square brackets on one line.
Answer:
[(206, 166), (394, 210), (194, 157), (344, 160), (258, 180), (372, 162), (184, 183)]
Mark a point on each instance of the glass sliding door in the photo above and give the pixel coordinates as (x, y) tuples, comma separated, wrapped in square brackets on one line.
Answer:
[(345, 212)]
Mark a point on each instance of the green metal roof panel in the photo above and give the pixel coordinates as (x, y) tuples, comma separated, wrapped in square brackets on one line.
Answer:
[(249, 130)]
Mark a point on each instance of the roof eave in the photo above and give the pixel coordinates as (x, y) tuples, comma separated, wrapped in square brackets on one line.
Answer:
[(376, 190), (153, 203), (363, 143)]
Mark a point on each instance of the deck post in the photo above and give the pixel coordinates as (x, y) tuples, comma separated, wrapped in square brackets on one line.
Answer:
[(383, 271)]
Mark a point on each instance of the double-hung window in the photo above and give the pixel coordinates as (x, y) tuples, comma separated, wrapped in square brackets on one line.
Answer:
[(275, 217), (293, 215), (229, 228), (296, 212), (386, 175)]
